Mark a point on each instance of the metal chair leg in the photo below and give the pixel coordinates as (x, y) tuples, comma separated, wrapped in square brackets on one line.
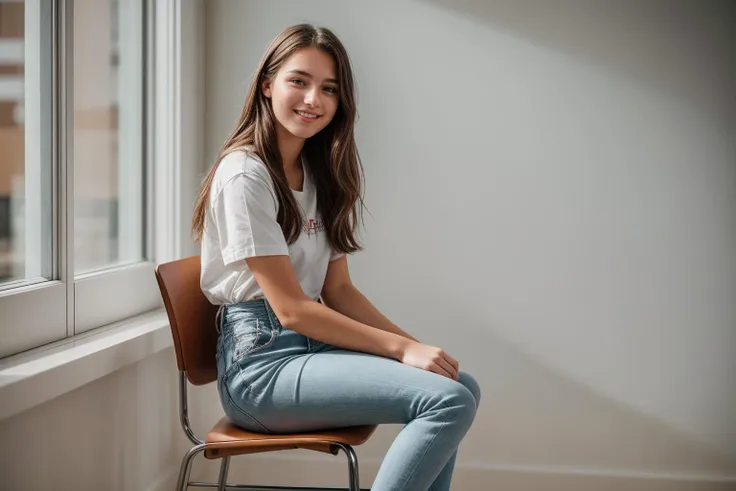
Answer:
[(223, 473), (353, 471), (186, 467)]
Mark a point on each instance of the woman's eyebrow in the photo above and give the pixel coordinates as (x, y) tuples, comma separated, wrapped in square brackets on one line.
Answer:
[(309, 75)]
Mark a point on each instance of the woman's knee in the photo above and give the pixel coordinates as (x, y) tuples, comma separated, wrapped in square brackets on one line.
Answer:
[(471, 384), (458, 400)]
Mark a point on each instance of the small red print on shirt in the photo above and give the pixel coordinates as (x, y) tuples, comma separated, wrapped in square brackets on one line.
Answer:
[(313, 227)]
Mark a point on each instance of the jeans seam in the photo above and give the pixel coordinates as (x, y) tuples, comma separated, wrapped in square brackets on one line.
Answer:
[(242, 411), (399, 386), (426, 449), (441, 404), (272, 316)]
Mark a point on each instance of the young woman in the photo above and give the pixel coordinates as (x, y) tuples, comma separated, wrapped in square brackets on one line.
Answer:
[(300, 348)]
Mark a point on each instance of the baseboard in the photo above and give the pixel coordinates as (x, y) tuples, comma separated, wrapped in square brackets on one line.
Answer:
[(330, 471)]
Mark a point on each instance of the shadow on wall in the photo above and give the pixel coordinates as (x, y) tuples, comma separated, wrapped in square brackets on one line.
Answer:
[(534, 415), (557, 421), (619, 36)]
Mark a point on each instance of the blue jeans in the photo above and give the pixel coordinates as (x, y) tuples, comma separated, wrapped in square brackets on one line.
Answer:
[(275, 380)]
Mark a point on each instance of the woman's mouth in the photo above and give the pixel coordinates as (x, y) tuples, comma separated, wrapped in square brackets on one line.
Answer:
[(306, 116)]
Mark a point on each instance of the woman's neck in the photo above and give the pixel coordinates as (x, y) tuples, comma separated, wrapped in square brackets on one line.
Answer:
[(290, 147)]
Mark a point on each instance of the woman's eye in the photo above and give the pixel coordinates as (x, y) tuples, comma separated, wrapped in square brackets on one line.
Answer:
[(331, 90), (297, 81)]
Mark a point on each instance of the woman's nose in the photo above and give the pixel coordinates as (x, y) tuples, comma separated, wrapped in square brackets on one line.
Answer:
[(312, 97)]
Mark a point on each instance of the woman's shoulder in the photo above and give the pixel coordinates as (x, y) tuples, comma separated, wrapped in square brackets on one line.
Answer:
[(239, 163)]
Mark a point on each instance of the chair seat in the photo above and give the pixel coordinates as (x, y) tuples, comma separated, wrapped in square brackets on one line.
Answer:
[(226, 439)]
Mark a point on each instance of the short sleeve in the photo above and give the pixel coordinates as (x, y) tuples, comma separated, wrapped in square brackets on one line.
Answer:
[(336, 255), (244, 213)]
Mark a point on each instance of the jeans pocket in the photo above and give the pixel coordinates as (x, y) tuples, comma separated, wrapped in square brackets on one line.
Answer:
[(251, 335)]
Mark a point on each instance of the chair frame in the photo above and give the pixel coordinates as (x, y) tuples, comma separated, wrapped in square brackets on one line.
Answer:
[(183, 482)]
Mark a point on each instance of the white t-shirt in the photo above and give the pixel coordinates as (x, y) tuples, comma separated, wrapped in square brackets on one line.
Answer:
[(241, 222)]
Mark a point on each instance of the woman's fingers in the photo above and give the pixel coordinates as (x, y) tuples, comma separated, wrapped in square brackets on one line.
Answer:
[(452, 361), (448, 368), (436, 368)]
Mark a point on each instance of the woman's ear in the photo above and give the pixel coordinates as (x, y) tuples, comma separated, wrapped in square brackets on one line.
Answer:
[(266, 88)]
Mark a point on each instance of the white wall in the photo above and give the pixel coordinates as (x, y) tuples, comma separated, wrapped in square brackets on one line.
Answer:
[(118, 433), (192, 114), (552, 188)]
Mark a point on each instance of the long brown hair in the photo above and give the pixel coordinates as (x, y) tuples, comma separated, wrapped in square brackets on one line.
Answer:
[(331, 154)]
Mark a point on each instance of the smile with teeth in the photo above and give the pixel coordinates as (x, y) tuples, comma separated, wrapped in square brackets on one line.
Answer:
[(307, 115)]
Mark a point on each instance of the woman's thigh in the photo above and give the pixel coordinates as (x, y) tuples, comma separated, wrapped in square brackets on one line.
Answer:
[(340, 388)]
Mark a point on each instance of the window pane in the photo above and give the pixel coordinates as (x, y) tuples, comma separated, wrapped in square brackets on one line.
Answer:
[(26, 204), (108, 134)]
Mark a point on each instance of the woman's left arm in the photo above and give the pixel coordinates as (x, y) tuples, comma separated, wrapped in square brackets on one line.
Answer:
[(339, 294)]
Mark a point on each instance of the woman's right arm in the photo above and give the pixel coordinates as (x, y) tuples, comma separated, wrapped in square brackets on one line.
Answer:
[(275, 276)]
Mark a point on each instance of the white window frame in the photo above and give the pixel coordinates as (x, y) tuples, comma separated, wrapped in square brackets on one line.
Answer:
[(39, 314), (106, 296), (34, 314), (36, 376)]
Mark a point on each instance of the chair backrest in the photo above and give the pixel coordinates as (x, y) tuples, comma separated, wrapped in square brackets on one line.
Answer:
[(192, 319)]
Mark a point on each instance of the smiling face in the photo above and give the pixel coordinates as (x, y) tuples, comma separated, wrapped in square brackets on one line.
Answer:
[(304, 93)]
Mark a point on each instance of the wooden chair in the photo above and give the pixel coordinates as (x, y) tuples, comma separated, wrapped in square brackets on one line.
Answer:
[(192, 320)]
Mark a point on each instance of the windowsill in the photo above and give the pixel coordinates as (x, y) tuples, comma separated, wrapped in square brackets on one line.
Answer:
[(37, 376)]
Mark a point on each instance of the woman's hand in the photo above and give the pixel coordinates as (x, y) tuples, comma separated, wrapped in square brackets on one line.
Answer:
[(430, 358)]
